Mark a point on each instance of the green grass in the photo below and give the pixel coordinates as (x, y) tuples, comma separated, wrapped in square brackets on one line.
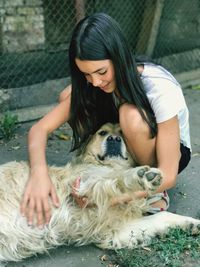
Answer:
[(196, 87), (8, 125), (172, 250)]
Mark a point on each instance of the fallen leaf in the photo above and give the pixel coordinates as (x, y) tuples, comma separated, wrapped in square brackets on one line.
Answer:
[(65, 137), (15, 147), (147, 249), (104, 258), (196, 155), (183, 194)]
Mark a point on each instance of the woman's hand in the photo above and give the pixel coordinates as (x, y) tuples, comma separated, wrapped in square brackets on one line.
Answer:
[(81, 201), (36, 199), (123, 199), (126, 198)]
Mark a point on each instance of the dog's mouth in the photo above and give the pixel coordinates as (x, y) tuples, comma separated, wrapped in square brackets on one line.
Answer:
[(113, 147), (106, 156)]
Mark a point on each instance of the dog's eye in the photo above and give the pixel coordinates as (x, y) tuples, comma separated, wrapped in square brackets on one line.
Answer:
[(102, 133)]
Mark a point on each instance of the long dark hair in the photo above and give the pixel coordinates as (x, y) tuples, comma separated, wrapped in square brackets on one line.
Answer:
[(99, 37)]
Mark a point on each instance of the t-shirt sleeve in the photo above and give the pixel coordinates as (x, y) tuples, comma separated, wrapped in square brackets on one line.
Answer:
[(166, 99)]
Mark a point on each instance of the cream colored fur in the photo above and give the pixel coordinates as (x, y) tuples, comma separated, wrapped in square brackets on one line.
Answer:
[(106, 172)]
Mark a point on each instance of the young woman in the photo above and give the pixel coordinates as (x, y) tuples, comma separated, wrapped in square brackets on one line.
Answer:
[(109, 86)]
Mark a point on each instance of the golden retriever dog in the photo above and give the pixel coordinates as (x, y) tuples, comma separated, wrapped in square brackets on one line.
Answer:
[(106, 172)]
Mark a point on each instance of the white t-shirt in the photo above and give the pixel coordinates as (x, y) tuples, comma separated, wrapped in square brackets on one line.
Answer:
[(166, 98)]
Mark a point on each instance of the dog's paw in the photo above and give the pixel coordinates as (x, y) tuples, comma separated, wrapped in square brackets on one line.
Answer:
[(194, 228), (149, 178)]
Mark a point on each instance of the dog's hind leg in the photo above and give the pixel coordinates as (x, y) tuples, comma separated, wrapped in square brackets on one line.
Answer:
[(140, 232)]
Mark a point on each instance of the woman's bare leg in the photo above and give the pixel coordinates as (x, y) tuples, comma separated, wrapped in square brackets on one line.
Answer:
[(138, 139), (137, 135)]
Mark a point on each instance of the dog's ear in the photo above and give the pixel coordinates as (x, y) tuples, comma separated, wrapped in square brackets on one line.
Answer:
[(82, 148)]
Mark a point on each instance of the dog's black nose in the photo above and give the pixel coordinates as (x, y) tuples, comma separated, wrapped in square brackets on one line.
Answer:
[(118, 139), (112, 138), (113, 146)]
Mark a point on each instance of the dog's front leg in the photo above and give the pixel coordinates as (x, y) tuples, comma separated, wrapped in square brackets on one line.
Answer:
[(102, 188), (142, 178)]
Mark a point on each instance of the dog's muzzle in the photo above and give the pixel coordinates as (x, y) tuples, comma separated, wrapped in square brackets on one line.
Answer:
[(113, 147)]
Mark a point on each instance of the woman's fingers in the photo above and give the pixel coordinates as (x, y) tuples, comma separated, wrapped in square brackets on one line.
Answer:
[(39, 213), (123, 199), (54, 197), (31, 210), (81, 201), (46, 211), (37, 208)]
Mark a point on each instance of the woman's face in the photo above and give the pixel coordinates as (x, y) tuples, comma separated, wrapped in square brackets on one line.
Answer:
[(98, 72)]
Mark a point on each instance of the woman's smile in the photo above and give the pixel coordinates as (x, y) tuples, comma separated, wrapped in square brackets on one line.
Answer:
[(104, 87), (100, 73)]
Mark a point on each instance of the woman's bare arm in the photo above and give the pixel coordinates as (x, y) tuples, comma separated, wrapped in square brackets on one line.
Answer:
[(39, 188)]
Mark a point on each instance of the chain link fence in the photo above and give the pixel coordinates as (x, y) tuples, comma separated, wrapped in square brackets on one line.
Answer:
[(35, 34)]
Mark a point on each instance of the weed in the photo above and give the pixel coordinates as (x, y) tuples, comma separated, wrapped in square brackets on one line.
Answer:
[(8, 125), (176, 247)]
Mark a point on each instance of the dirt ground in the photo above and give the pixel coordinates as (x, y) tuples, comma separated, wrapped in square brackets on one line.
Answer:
[(184, 198)]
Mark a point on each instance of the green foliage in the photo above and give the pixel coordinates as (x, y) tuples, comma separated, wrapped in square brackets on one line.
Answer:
[(172, 250), (176, 245), (8, 125), (196, 87)]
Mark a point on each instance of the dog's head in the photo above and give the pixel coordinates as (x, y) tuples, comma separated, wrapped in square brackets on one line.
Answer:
[(107, 147)]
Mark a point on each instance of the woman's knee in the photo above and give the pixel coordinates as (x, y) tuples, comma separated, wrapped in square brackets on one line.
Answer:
[(137, 135), (130, 117)]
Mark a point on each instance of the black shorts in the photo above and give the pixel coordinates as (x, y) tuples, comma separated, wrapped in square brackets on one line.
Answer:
[(185, 157)]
